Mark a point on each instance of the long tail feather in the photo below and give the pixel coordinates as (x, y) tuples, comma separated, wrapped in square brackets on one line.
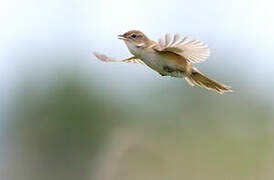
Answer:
[(197, 78)]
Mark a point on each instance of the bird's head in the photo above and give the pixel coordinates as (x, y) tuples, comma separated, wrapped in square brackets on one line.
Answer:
[(135, 40)]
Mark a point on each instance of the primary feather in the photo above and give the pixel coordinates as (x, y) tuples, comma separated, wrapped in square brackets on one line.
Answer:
[(194, 51), (104, 58)]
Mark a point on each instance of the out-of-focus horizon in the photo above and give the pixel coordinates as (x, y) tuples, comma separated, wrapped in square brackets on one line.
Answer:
[(66, 115)]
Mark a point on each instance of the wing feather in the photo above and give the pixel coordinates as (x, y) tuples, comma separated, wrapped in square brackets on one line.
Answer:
[(104, 58), (193, 50), (168, 40), (175, 39), (161, 42)]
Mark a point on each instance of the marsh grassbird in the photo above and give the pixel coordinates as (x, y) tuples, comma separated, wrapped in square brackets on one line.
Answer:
[(169, 57)]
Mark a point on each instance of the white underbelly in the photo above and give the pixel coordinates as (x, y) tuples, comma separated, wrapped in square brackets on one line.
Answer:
[(157, 63)]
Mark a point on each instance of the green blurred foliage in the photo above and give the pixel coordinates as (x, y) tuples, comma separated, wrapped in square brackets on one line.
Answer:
[(57, 131), (68, 128)]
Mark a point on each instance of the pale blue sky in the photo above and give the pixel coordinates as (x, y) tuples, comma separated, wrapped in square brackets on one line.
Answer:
[(240, 34)]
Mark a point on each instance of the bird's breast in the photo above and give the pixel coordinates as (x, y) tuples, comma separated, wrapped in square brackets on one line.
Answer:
[(159, 61), (155, 61), (166, 63)]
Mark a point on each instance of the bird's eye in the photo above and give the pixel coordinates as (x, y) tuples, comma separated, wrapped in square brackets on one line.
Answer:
[(133, 35)]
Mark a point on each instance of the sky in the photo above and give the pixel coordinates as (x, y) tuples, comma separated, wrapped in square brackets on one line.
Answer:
[(240, 34)]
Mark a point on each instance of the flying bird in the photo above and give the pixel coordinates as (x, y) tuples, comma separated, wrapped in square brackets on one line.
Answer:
[(169, 57)]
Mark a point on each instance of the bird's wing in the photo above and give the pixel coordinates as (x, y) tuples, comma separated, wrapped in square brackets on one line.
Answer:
[(194, 51), (132, 59)]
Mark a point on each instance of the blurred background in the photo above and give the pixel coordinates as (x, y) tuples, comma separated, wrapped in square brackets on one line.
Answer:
[(66, 115)]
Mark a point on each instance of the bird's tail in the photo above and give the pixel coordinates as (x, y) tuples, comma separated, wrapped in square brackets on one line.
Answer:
[(197, 78)]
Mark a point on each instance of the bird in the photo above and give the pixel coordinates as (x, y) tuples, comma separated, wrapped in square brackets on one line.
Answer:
[(169, 57)]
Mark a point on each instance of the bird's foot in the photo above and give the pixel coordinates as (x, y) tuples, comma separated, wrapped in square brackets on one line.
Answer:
[(168, 69)]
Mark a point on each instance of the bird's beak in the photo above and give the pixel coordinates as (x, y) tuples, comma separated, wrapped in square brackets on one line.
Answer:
[(121, 37)]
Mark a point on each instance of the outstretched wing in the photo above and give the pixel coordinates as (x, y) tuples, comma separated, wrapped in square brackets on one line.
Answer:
[(104, 58), (195, 51)]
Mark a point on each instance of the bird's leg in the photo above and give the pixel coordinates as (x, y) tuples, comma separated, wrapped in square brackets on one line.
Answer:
[(162, 74), (168, 69), (173, 72)]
